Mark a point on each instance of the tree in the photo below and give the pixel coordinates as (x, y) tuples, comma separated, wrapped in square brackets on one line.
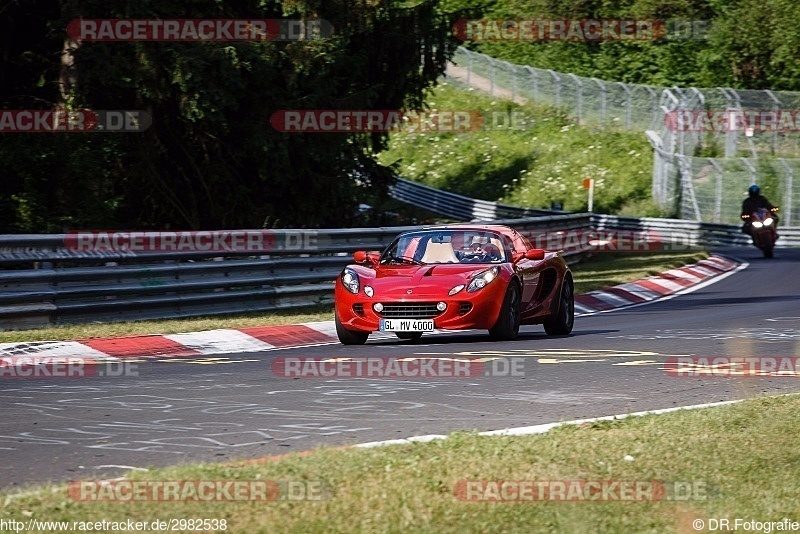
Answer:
[(210, 158)]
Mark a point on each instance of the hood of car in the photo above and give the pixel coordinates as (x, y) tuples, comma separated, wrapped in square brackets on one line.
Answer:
[(438, 271)]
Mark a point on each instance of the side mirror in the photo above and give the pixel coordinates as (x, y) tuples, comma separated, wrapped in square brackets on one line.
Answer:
[(362, 256), (535, 254)]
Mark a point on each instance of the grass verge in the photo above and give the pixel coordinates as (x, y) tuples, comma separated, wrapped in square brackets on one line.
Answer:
[(739, 464), (592, 273)]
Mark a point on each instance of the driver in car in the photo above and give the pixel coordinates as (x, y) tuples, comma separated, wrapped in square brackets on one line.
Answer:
[(477, 251)]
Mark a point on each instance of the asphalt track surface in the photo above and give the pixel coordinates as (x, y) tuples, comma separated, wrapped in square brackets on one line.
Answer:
[(234, 407)]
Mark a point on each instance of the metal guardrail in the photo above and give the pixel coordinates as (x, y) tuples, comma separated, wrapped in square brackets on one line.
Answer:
[(457, 206), (43, 281)]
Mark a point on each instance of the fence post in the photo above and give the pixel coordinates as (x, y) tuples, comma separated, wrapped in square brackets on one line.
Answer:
[(535, 82), (787, 195), (513, 70), (469, 67), (776, 105), (557, 79), (655, 100), (687, 187), (602, 99), (491, 87), (579, 95), (718, 192), (732, 104), (627, 103)]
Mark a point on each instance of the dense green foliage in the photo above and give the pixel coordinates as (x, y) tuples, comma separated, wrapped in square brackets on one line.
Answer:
[(210, 158), (752, 44)]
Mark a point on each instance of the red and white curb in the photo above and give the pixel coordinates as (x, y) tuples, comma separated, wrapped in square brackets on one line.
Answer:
[(658, 288), (262, 338)]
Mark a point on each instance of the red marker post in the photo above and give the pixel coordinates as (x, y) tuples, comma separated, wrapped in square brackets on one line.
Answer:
[(588, 183)]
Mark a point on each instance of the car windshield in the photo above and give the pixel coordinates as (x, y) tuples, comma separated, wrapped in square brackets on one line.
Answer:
[(447, 246)]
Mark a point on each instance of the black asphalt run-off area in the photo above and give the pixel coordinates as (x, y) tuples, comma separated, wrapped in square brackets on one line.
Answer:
[(234, 407)]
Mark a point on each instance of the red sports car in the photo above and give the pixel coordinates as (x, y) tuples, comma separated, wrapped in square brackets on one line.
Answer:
[(455, 278)]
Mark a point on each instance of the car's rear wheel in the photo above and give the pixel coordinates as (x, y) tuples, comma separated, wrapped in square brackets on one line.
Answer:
[(562, 320), (507, 326), (349, 337), (409, 336)]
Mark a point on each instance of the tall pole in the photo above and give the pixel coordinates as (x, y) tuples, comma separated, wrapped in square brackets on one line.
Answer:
[(588, 183)]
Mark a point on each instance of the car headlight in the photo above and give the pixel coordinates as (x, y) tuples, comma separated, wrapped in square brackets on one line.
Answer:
[(483, 279), (757, 224), (456, 289), (350, 280), (767, 221)]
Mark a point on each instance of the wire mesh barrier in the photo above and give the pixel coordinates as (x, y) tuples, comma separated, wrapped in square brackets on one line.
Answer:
[(709, 144), (589, 99)]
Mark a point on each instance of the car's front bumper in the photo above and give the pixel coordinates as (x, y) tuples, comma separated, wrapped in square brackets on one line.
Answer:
[(478, 310)]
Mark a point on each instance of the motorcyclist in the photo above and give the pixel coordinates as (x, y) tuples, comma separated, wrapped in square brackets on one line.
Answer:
[(754, 201)]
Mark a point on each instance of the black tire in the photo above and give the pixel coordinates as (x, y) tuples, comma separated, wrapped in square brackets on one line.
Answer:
[(349, 337), (506, 328), (562, 321), (767, 251), (409, 336)]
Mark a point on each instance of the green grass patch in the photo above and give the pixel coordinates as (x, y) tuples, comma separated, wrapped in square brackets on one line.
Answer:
[(743, 456), (592, 273), (540, 158)]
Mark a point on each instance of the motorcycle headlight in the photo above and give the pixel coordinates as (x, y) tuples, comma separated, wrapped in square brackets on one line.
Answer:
[(350, 280), (767, 221), (757, 224), (483, 279)]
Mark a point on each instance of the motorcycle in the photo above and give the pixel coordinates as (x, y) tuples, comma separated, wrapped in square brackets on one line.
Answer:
[(763, 231)]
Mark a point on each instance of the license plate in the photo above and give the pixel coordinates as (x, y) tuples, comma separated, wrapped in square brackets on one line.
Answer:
[(406, 325)]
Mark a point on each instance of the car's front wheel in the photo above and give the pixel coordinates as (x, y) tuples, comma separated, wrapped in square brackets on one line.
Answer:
[(507, 326), (349, 337), (561, 322)]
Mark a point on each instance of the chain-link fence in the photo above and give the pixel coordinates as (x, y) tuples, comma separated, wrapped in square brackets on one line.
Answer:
[(589, 99), (706, 153)]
